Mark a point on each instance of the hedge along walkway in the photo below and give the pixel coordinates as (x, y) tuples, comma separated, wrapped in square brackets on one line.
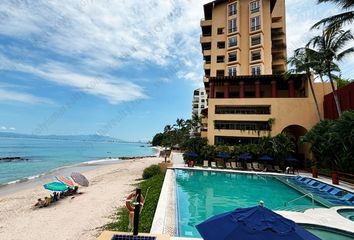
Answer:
[(150, 189)]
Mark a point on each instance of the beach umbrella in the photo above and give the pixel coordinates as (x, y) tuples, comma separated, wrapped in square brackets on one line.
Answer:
[(223, 155), (265, 157), (291, 158), (245, 156), (255, 223), (56, 186), (191, 154), (80, 179), (65, 180)]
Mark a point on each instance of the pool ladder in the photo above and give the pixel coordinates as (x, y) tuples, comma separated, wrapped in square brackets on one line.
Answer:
[(303, 196)]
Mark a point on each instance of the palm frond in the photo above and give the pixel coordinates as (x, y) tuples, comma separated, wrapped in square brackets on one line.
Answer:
[(342, 3), (346, 52), (336, 20)]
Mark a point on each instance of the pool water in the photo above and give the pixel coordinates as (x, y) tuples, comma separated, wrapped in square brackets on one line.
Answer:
[(328, 233), (202, 194), (347, 213)]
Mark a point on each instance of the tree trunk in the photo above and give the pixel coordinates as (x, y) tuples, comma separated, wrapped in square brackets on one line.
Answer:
[(314, 96), (334, 91)]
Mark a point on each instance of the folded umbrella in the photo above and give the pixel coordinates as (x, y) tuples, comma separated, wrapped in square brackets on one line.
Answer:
[(65, 180), (255, 223), (80, 179), (56, 186)]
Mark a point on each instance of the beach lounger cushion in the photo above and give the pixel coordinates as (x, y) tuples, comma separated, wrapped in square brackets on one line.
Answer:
[(336, 191), (327, 189), (348, 197)]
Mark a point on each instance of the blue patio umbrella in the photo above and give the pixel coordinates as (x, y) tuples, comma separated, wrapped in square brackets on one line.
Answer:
[(223, 155), (56, 186), (265, 157), (291, 158), (191, 154), (255, 223), (245, 156)]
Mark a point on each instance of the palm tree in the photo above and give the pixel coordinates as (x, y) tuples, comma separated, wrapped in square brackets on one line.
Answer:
[(329, 48), (303, 61), (341, 19)]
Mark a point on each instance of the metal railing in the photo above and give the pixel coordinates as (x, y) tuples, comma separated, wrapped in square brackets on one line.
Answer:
[(303, 196)]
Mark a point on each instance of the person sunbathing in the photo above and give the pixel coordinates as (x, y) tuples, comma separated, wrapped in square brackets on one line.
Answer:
[(39, 203), (47, 201)]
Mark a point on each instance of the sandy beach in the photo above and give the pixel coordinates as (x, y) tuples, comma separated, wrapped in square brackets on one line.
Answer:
[(77, 218)]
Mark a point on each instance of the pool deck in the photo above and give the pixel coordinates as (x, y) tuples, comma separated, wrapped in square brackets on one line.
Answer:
[(165, 216)]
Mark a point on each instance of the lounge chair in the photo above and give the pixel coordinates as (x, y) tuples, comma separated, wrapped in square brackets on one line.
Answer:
[(239, 166), (320, 185), (249, 166), (277, 169), (313, 183), (228, 165), (205, 163), (307, 181), (300, 179), (233, 165), (270, 168), (220, 164), (255, 166), (348, 197), (336, 192), (261, 167), (213, 164), (327, 189)]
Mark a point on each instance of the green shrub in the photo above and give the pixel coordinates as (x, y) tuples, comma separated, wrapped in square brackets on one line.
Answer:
[(151, 171)]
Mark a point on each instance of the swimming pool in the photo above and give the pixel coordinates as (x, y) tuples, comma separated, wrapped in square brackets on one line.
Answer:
[(326, 233), (202, 194), (347, 213)]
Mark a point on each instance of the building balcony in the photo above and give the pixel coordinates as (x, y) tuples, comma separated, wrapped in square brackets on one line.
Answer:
[(205, 39), (207, 52), (204, 23)]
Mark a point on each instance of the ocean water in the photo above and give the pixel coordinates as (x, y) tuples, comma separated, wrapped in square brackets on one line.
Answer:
[(48, 155)]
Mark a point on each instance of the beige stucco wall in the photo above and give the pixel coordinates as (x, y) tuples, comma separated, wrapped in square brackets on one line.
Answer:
[(285, 111)]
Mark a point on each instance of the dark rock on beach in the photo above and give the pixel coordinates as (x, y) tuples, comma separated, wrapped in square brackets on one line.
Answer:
[(131, 158), (12, 159)]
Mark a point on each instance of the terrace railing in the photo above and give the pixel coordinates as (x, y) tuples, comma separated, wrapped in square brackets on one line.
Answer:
[(303, 196)]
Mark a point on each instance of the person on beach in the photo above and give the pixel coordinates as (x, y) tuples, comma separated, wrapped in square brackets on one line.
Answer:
[(40, 203)]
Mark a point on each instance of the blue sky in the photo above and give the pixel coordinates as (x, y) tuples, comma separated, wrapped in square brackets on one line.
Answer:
[(119, 68)]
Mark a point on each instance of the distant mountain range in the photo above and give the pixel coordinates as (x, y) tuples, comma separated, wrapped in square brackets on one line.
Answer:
[(93, 137)]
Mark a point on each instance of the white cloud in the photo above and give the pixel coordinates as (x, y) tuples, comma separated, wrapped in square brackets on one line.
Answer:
[(3, 128), (7, 95), (97, 37)]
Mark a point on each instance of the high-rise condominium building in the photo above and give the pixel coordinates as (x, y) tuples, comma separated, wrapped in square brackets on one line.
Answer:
[(244, 49)]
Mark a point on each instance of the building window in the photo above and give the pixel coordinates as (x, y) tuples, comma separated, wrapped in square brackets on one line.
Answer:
[(254, 6), (232, 56), (232, 9), (232, 25), (221, 45), (220, 59), (243, 126), (220, 31), (251, 110), (232, 42), (256, 55), (255, 40), (255, 23), (232, 71), (256, 70), (220, 73)]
